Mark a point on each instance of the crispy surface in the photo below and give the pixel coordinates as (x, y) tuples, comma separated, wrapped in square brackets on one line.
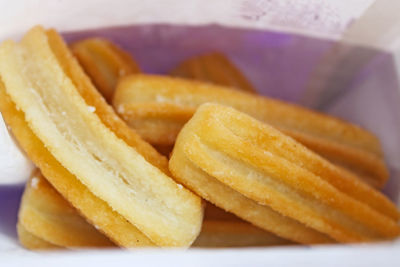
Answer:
[(104, 62), (215, 68), (168, 214), (288, 148), (32, 242), (219, 234), (266, 166), (159, 106), (230, 200), (45, 214)]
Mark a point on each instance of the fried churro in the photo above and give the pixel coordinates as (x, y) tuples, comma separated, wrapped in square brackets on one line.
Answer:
[(45, 214), (104, 62), (158, 106), (32, 242), (225, 155), (215, 68), (81, 155)]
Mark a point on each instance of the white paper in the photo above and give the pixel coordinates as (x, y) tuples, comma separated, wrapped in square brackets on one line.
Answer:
[(326, 18)]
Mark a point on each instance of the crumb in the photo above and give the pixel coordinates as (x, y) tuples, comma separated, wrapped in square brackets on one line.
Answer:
[(35, 182), (121, 109), (91, 109)]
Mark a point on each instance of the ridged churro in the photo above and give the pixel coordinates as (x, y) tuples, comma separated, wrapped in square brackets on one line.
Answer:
[(215, 68), (111, 183), (158, 106), (104, 62), (230, 155)]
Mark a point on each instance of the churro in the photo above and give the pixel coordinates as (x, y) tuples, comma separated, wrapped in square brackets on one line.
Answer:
[(224, 155), (215, 68), (104, 62), (111, 183), (158, 106), (32, 242), (43, 213)]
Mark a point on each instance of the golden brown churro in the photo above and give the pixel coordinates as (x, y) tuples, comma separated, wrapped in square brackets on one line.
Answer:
[(223, 150), (32, 242), (83, 158), (214, 68), (104, 62), (45, 214), (273, 173), (158, 106)]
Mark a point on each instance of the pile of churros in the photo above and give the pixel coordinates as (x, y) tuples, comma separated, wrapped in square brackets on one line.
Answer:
[(193, 158)]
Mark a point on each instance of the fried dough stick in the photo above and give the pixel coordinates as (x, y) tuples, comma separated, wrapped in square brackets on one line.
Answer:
[(104, 62), (225, 156), (32, 242), (45, 214), (158, 107), (64, 129), (215, 68)]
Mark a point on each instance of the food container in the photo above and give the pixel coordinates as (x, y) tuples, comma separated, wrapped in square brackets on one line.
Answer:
[(341, 57)]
